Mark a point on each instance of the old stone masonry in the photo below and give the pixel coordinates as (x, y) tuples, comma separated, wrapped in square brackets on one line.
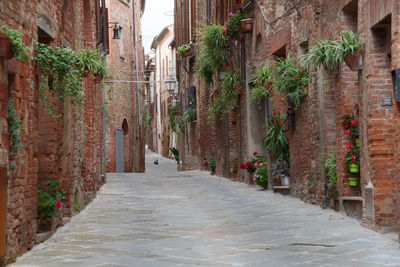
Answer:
[(170, 218)]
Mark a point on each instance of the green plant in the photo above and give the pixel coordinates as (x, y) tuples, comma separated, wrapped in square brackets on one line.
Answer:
[(261, 173), (212, 164), (232, 27), (349, 43), (262, 83), (217, 109), (147, 118), (90, 59), (229, 90), (275, 140), (49, 199), (20, 50), (14, 128), (211, 52), (175, 152), (280, 168), (190, 115), (173, 115), (329, 164), (291, 80), (182, 49), (62, 70), (324, 52)]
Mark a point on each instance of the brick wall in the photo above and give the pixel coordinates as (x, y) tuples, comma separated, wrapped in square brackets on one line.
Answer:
[(57, 149)]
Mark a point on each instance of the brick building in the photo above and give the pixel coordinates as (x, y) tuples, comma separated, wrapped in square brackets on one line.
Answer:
[(289, 28), (125, 89), (164, 67), (68, 149), (151, 129)]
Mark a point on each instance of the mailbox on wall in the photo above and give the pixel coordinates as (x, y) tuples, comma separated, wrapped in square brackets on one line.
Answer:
[(396, 84)]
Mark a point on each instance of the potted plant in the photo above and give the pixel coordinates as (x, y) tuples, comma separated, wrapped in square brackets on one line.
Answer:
[(246, 25), (50, 198), (291, 80), (229, 89), (326, 53), (184, 50), (329, 164), (262, 84), (351, 50), (352, 158), (232, 26), (353, 181), (261, 172), (275, 140), (11, 44), (280, 172), (212, 164)]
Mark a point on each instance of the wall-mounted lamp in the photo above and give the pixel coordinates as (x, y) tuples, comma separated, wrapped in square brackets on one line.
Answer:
[(171, 83), (396, 84), (116, 29)]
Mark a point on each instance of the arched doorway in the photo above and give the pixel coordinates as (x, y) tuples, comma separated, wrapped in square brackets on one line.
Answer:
[(122, 158)]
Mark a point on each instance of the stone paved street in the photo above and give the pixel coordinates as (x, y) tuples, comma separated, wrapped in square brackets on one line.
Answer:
[(166, 218)]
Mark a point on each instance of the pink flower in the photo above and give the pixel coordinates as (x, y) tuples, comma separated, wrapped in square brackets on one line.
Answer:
[(58, 205), (341, 163), (223, 32)]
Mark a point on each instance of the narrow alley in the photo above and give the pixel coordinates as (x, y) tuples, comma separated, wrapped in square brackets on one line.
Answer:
[(169, 218)]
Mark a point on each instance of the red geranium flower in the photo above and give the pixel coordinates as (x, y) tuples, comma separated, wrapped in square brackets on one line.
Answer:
[(223, 32), (353, 122), (242, 166), (346, 131), (241, 40), (227, 64), (58, 205), (255, 153), (349, 146), (206, 163)]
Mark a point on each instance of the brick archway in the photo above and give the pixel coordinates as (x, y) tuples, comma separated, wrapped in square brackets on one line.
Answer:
[(127, 158)]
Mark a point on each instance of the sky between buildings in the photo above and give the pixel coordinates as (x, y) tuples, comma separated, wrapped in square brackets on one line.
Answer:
[(157, 15)]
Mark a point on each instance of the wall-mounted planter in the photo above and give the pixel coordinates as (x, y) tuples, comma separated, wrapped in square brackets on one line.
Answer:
[(186, 53), (354, 168), (246, 25), (354, 61), (5, 47), (353, 181), (357, 141)]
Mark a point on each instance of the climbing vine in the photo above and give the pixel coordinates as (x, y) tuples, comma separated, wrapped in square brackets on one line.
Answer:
[(14, 128), (62, 70)]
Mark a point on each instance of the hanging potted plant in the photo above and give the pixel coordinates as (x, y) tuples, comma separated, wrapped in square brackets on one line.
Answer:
[(246, 25), (352, 158), (232, 26), (184, 50), (11, 44), (262, 84), (353, 181), (326, 53), (351, 49)]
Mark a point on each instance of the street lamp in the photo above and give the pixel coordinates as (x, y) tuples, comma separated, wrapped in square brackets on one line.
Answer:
[(170, 83)]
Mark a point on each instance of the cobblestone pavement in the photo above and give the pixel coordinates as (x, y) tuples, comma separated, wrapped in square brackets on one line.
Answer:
[(166, 218)]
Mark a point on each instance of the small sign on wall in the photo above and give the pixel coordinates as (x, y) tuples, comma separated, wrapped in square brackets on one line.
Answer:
[(386, 101)]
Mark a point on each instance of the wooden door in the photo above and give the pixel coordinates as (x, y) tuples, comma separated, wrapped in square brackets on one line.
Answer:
[(3, 210)]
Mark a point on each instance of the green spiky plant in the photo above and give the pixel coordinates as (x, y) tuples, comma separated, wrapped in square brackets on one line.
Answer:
[(228, 88), (325, 53), (211, 52), (289, 79), (261, 83), (275, 140), (350, 43)]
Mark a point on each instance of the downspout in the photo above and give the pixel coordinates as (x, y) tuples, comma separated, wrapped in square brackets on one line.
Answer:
[(243, 72), (105, 52), (136, 64)]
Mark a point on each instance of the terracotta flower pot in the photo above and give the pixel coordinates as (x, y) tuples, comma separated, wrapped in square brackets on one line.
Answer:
[(354, 168), (353, 181), (354, 61), (186, 53), (98, 77), (5, 47), (246, 25)]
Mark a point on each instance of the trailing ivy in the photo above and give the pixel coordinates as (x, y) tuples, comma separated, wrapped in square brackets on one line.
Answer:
[(20, 50), (62, 70), (14, 128)]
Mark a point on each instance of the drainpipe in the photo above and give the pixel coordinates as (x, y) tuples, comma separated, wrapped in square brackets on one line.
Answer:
[(136, 63), (105, 52)]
